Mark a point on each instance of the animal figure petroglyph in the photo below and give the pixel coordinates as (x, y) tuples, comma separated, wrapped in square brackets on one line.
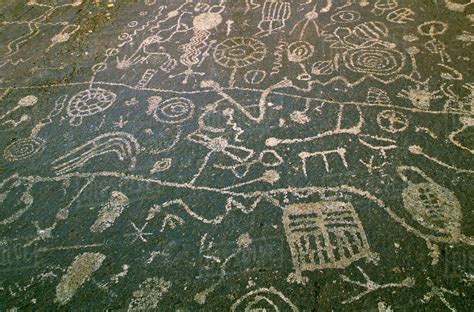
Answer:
[(88, 103), (434, 207)]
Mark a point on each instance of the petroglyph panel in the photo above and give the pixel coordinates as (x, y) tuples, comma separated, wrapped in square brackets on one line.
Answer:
[(236, 155)]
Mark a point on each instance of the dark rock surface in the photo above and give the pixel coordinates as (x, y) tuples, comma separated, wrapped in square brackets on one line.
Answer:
[(306, 155)]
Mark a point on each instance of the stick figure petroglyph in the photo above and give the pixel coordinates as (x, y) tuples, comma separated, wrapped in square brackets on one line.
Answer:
[(149, 50), (243, 242), (309, 21)]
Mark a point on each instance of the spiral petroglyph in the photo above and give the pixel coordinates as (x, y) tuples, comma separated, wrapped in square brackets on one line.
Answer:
[(174, 111), (23, 148), (375, 61)]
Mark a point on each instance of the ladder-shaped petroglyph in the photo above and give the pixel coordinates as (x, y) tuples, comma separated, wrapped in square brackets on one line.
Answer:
[(274, 15), (324, 235), (341, 152)]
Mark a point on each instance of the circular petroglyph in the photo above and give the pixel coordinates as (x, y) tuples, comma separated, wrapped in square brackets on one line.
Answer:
[(375, 61), (161, 165), (218, 144), (300, 51), (433, 28), (89, 102), (207, 21), (270, 176), (255, 76), (61, 37), (99, 67), (23, 148), (111, 52), (392, 121), (322, 68), (348, 16), (270, 158), (239, 52), (174, 110)]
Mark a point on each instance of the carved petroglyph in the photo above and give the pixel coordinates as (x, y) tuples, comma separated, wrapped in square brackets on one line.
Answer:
[(264, 299), (239, 52), (420, 96), (190, 154), (392, 121), (23, 149), (36, 27), (274, 15), (341, 152), (122, 144), (149, 294), (379, 61), (174, 110), (13, 185), (110, 212), (324, 235), (139, 233), (87, 103), (78, 273), (439, 292), (243, 242), (434, 207), (373, 286)]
